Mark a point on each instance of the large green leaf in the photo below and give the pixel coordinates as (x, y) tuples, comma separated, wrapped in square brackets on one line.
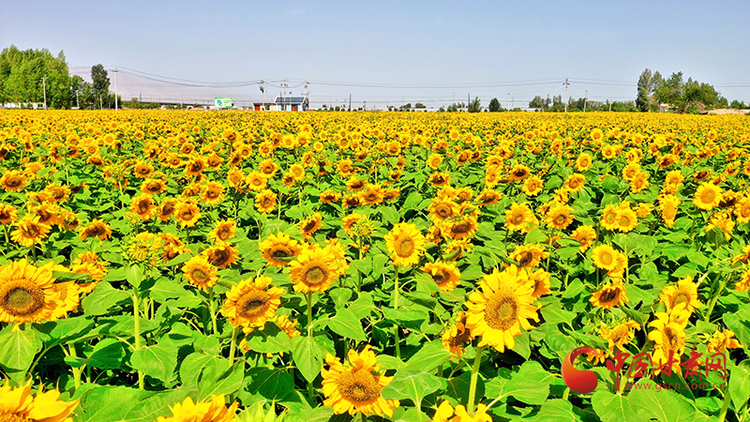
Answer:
[(611, 407), (107, 354), (309, 356), (124, 404), (102, 299), (431, 356), (662, 405), (347, 325), (18, 347), (158, 361), (529, 385), (195, 363), (739, 384), (213, 381), (412, 386), (64, 330), (273, 384), (557, 410), (271, 339)]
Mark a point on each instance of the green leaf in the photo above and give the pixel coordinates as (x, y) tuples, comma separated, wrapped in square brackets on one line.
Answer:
[(340, 296), (273, 384), (407, 318), (63, 330), (107, 354), (431, 356), (390, 215), (412, 386), (739, 322), (271, 339), (347, 325), (18, 347), (158, 361), (124, 404), (195, 363), (611, 407), (529, 385), (739, 384), (102, 299), (557, 410), (213, 381), (458, 387), (555, 314), (179, 259), (662, 405), (134, 275), (309, 356)]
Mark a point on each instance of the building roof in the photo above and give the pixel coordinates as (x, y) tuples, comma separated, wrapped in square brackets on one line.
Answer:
[(291, 100)]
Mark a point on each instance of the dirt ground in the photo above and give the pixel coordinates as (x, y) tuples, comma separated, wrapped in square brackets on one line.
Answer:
[(728, 111)]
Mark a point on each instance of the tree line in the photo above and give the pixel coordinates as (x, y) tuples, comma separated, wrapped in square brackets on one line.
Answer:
[(31, 76)]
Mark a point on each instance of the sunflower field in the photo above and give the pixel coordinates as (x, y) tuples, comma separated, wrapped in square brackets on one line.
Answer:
[(247, 266)]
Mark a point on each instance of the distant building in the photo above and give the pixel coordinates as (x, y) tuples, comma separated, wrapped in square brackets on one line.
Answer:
[(284, 104)]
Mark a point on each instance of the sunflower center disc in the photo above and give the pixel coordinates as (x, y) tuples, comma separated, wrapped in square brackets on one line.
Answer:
[(281, 253), (255, 304), (20, 301), (462, 227), (708, 197), (405, 247), (517, 219), (359, 386), (680, 298), (200, 276), (441, 277), (315, 276), (501, 311), (609, 295)]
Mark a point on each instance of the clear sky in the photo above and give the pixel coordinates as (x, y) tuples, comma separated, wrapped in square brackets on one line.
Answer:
[(391, 52)]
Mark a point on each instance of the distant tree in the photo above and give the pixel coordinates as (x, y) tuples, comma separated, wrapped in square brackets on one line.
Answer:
[(539, 103), (26, 76), (441, 109), (647, 84), (419, 105), (475, 106), (100, 83), (739, 105), (494, 105)]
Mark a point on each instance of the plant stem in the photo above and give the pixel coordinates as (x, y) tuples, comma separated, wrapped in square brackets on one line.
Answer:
[(725, 406), (137, 334), (474, 378), (212, 308), (308, 296), (715, 298), (76, 371), (233, 346), (395, 306)]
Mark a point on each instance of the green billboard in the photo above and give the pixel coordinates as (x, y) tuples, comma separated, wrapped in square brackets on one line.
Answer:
[(223, 102)]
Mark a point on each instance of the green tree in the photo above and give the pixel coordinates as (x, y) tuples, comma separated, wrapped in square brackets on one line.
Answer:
[(26, 75), (647, 84), (475, 106), (494, 105), (100, 83), (539, 103)]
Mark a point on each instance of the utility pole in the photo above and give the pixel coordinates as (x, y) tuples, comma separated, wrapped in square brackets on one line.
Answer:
[(468, 101), (585, 100), (115, 88), (610, 100), (507, 104), (78, 104), (263, 94), (566, 94), (44, 88), (350, 102)]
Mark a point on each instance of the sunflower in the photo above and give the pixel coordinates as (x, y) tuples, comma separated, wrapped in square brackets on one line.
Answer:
[(187, 213), (583, 162), (620, 335), (626, 219), (329, 197), (519, 172), (609, 296), (668, 335), (741, 210), (605, 257), (462, 228), (153, 186), (255, 181), (541, 283), (314, 270), (355, 387), (434, 161), (445, 275), (200, 273), (529, 255), (221, 256), (446, 413), (18, 405), (13, 181), (439, 179), (585, 235), (29, 231), (252, 302), (441, 209), (559, 216), (630, 170), (223, 231), (268, 168), (457, 336), (532, 186), (8, 213), (27, 293), (668, 205), (97, 228), (405, 244), (488, 197), (372, 194), (144, 247), (722, 341), (575, 182), (214, 411), (143, 169), (68, 294), (214, 193), (265, 201), (311, 224), (685, 292), (518, 217), (143, 206), (172, 246), (503, 305), (609, 217), (279, 249), (707, 196)]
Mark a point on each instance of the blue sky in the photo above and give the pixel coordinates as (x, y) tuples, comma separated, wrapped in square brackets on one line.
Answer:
[(391, 52)]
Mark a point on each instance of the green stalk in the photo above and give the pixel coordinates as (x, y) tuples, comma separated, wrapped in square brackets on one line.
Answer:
[(308, 296), (725, 406), (76, 371), (395, 306), (233, 346), (212, 308), (137, 335), (474, 378), (715, 298)]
